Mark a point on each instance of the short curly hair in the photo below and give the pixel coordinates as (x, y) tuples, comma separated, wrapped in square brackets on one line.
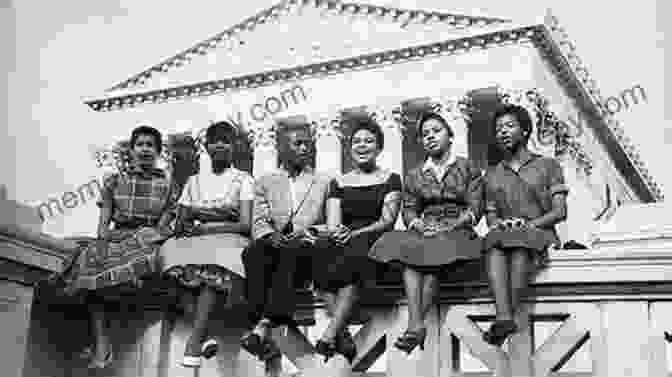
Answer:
[(521, 114), (371, 126), (147, 130), (432, 115)]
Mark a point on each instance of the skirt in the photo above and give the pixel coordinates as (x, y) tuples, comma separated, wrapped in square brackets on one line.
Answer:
[(537, 241), (133, 255), (211, 260), (335, 267), (427, 253)]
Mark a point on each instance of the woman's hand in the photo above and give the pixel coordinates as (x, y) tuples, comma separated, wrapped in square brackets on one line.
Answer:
[(342, 235), (430, 230)]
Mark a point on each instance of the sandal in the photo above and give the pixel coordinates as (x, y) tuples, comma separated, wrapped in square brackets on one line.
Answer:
[(252, 343), (499, 332), (208, 350), (411, 339), (326, 348), (97, 364), (345, 345), (269, 350)]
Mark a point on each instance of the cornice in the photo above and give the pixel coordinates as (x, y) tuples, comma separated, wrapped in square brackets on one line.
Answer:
[(403, 16), (483, 40)]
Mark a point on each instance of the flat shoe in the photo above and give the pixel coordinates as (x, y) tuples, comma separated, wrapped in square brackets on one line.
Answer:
[(95, 364), (190, 362), (209, 349)]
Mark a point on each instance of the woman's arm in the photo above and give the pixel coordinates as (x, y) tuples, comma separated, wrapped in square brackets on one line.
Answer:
[(334, 218), (106, 205), (558, 190), (490, 203), (334, 215), (412, 205), (104, 220), (242, 226), (475, 198)]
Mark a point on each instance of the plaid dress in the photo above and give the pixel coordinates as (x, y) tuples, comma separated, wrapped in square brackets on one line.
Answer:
[(137, 199)]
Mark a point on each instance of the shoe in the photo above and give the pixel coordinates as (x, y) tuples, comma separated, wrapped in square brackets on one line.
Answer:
[(190, 362), (499, 332), (86, 353), (411, 339), (96, 364), (252, 343), (209, 349), (269, 350), (326, 348), (346, 346)]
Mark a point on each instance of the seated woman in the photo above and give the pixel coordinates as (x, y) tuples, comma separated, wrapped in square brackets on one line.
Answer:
[(362, 205), (136, 202), (525, 198), (213, 226), (441, 205)]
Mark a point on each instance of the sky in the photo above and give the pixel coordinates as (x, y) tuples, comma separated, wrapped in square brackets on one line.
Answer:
[(59, 53)]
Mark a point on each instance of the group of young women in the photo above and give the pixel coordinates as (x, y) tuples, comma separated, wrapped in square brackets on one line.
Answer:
[(195, 236)]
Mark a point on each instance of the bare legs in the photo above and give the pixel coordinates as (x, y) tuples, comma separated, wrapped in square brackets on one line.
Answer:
[(102, 342), (340, 307), (205, 303), (508, 273), (336, 338), (420, 292), (420, 289)]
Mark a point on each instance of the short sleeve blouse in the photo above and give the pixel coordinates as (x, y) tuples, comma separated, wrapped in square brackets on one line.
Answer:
[(526, 193), (210, 190)]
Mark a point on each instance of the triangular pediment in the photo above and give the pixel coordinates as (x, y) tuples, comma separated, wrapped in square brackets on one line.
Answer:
[(298, 33), (327, 38)]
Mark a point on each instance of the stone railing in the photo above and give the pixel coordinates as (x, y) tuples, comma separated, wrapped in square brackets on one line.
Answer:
[(597, 312)]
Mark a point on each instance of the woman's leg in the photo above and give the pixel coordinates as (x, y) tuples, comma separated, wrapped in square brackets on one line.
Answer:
[(330, 301), (99, 326), (521, 268), (430, 290), (498, 276), (413, 284), (344, 304), (204, 306)]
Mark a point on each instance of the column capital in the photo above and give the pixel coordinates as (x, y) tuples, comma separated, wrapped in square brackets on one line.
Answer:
[(390, 119), (262, 135), (326, 125)]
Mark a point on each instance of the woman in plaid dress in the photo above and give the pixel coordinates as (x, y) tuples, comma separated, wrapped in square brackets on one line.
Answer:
[(136, 203), (212, 229)]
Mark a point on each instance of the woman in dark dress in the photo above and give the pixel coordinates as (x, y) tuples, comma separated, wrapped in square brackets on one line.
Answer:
[(362, 205), (525, 198), (442, 203), (138, 203)]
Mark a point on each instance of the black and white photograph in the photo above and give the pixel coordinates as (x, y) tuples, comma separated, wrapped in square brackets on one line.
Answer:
[(326, 188)]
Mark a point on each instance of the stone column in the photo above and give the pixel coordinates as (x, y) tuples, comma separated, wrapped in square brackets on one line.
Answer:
[(392, 156), (265, 148), (328, 136)]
